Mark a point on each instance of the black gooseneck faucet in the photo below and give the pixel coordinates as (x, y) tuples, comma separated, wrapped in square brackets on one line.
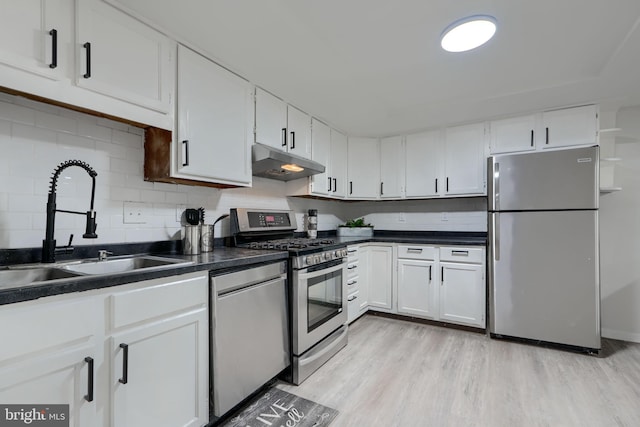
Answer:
[(49, 243)]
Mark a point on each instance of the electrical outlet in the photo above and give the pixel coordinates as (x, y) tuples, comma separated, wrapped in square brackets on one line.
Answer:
[(444, 216), (134, 213), (401, 217), (179, 210)]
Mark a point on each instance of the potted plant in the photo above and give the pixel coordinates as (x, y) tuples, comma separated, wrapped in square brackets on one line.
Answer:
[(355, 228)]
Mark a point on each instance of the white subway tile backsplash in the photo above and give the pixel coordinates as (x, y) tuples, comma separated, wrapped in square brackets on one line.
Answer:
[(177, 198), (56, 122), (126, 166), (151, 196), (17, 114), (124, 194), (128, 139), (111, 124)]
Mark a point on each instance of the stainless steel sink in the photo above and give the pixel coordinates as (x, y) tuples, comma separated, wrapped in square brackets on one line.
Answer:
[(27, 276), (123, 264)]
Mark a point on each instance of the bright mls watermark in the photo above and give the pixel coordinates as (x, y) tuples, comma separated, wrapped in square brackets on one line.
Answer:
[(34, 415)]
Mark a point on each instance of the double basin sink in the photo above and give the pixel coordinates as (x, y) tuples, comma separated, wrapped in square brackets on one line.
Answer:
[(22, 275)]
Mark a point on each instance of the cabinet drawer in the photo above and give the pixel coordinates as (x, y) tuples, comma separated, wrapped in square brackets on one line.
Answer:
[(159, 297), (353, 284), (352, 267), (416, 252), (353, 306), (462, 254)]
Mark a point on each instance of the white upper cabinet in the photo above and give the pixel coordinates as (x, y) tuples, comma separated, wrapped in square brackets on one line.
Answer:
[(338, 164), (363, 168), (271, 120), (321, 183), (570, 126), (392, 173), (514, 134), (464, 160), (215, 122), (299, 131), (282, 126), (423, 152), (37, 36), (120, 57)]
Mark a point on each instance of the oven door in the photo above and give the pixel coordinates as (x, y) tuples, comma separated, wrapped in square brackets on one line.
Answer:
[(319, 303)]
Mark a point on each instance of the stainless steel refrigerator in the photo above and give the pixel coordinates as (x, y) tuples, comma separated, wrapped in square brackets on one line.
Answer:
[(544, 278)]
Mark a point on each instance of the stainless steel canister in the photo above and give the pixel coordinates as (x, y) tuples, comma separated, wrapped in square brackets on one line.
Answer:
[(191, 239), (206, 240)]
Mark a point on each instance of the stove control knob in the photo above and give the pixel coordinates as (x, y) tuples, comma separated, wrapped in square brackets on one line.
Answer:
[(308, 260), (316, 259)]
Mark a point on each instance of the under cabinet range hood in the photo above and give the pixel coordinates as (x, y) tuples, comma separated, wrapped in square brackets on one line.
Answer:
[(269, 162)]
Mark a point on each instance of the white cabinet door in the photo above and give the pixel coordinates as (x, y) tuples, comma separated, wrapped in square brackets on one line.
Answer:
[(271, 120), (381, 277), (392, 168), (417, 288), (462, 294), (423, 164), (299, 132), (515, 134), (570, 126), (338, 164), (120, 57), (464, 160), (52, 353), (157, 371), (37, 36), (215, 117), (321, 184), (363, 168), (62, 377)]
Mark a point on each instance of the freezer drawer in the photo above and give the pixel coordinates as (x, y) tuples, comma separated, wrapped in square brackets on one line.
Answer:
[(544, 276)]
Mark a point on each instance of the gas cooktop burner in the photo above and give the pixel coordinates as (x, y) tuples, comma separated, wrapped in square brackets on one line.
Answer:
[(287, 244)]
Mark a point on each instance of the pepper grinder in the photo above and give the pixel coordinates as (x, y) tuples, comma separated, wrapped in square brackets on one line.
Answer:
[(312, 224)]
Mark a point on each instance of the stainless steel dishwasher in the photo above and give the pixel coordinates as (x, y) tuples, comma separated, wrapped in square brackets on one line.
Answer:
[(250, 332)]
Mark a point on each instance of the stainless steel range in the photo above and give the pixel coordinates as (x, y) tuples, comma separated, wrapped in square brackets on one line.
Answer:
[(317, 284)]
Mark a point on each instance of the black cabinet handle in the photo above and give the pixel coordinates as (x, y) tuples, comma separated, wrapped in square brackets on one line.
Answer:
[(89, 396), (436, 185), (382, 188), (430, 273), (442, 274), (87, 73), (125, 363), (350, 187), (293, 140), (185, 162), (532, 137), (54, 48), (335, 185), (447, 184), (547, 137), (284, 137), (329, 184)]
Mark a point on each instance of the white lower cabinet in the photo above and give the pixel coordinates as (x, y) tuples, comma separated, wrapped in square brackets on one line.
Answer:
[(381, 278), (114, 357), (50, 350), (357, 283), (445, 283)]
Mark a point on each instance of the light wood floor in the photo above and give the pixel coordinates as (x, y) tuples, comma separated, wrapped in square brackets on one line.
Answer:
[(399, 373)]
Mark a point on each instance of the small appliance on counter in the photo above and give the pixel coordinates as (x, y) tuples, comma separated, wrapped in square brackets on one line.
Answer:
[(192, 231), (312, 224)]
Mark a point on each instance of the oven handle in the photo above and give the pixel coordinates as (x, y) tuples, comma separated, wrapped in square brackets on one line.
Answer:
[(328, 349), (304, 275)]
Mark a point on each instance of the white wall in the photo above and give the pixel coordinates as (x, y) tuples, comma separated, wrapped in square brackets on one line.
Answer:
[(620, 235), (36, 137)]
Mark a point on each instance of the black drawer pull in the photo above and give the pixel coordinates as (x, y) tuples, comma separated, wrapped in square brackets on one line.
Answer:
[(532, 137), (54, 48), (460, 253), (335, 185), (352, 298), (284, 137), (547, 136), (329, 184), (350, 187), (430, 273), (89, 396), (293, 140), (436, 185), (87, 73), (125, 364)]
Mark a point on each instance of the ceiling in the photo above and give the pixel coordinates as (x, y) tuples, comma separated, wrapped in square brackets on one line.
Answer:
[(375, 67)]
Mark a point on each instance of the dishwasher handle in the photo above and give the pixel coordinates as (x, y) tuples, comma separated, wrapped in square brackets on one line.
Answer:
[(229, 282)]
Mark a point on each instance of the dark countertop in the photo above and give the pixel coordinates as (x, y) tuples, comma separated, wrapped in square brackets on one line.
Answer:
[(420, 237), (222, 258)]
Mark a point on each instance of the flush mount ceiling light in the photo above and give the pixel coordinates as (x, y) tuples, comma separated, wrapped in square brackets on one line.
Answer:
[(468, 33)]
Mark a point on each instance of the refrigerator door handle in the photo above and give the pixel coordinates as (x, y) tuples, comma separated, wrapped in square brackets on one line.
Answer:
[(495, 236), (496, 185)]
